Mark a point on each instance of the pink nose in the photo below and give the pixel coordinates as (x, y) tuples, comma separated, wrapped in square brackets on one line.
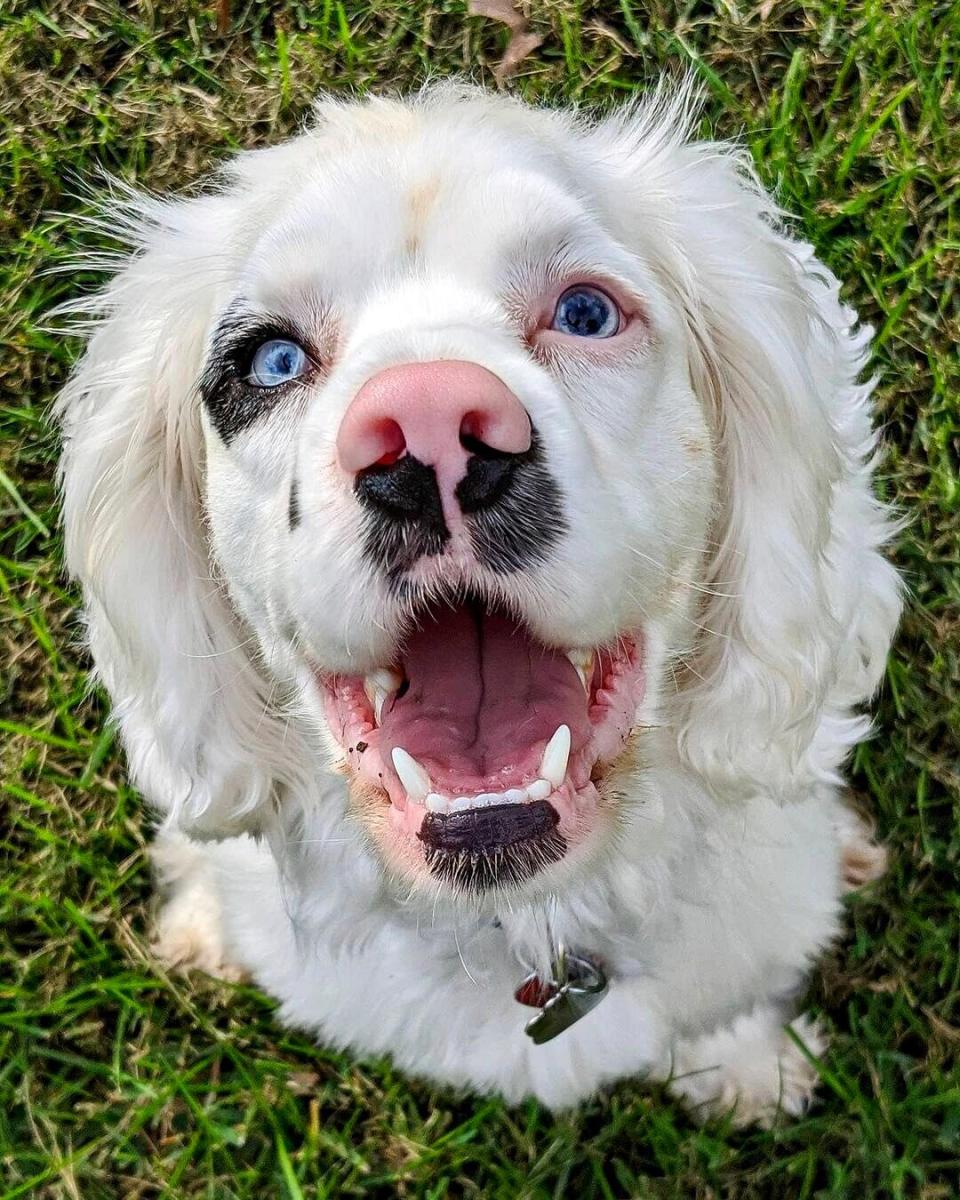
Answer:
[(437, 412)]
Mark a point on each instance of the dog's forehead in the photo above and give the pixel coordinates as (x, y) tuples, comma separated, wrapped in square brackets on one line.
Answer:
[(450, 198)]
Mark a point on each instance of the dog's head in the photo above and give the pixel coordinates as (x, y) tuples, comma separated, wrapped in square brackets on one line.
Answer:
[(463, 441)]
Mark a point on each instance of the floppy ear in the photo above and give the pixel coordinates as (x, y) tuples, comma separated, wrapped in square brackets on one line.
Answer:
[(189, 701), (805, 606)]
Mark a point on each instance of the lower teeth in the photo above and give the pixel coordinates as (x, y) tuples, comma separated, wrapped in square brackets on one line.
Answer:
[(540, 789)]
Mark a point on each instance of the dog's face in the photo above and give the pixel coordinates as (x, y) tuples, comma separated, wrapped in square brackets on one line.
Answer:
[(487, 418), (459, 483)]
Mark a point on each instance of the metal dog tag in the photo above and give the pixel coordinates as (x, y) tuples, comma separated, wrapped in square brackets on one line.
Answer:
[(578, 985)]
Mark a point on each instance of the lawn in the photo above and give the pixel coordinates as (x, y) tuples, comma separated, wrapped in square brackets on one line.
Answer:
[(117, 1080)]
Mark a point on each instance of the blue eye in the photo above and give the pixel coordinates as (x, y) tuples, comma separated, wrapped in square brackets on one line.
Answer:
[(277, 361), (586, 312)]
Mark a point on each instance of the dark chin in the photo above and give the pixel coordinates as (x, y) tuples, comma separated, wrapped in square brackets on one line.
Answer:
[(498, 847)]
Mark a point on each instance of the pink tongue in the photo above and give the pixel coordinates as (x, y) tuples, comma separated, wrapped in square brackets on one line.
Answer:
[(483, 699)]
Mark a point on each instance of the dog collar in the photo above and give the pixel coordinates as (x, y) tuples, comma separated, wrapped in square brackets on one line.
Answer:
[(576, 985)]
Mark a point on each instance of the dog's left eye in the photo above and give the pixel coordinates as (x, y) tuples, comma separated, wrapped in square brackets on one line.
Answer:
[(586, 312), (277, 361)]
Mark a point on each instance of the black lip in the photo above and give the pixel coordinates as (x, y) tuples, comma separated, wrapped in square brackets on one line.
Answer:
[(503, 845), (481, 829)]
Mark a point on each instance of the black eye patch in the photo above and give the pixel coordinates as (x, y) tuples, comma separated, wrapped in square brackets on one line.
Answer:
[(232, 401)]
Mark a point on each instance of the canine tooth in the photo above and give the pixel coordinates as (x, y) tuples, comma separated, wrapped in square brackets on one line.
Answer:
[(379, 685), (583, 661), (515, 795), (413, 777), (436, 803), (553, 765), (540, 789)]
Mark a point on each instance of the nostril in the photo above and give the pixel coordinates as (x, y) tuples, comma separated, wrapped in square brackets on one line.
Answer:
[(495, 429), (473, 441), (387, 437), (480, 449), (368, 440), (472, 428)]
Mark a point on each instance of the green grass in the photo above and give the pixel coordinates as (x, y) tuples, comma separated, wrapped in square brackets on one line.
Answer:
[(119, 1081)]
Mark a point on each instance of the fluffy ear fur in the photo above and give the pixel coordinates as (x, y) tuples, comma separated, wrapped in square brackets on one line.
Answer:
[(803, 604), (190, 704)]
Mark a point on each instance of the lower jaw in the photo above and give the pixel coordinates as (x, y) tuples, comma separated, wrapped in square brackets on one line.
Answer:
[(416, 866), (508, 859), (528, 865)]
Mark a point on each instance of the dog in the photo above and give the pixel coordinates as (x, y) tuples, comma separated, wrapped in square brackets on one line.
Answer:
[(472, 507)]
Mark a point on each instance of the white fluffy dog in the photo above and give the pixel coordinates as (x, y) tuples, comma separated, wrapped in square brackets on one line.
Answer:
[(472, 505)]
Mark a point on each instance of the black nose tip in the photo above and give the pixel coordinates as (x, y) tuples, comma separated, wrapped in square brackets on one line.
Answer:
[(404, 514), (489, 475), (512, 505), (406, 490)]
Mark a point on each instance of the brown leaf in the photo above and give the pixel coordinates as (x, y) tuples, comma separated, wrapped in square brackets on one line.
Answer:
[(519, 46), (498, 10), (522, 41)]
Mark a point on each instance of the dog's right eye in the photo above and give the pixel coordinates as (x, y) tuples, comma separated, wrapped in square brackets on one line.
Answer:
[(277, 361)]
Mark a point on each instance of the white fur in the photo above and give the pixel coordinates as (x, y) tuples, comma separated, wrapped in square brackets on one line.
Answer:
[(718, 498)]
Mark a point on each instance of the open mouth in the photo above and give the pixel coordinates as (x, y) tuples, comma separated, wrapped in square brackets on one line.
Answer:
[(485, 748)]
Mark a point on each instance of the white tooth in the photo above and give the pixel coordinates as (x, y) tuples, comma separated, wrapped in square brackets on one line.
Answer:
[(515, 795), (436, 803), (385, 677), (461, 804), (379, 685), (485, 799), (583, 661), (553, 765), (540, 789), (413, 777)]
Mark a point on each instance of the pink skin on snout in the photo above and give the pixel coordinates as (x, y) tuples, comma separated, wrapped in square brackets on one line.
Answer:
[(424, 409)]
